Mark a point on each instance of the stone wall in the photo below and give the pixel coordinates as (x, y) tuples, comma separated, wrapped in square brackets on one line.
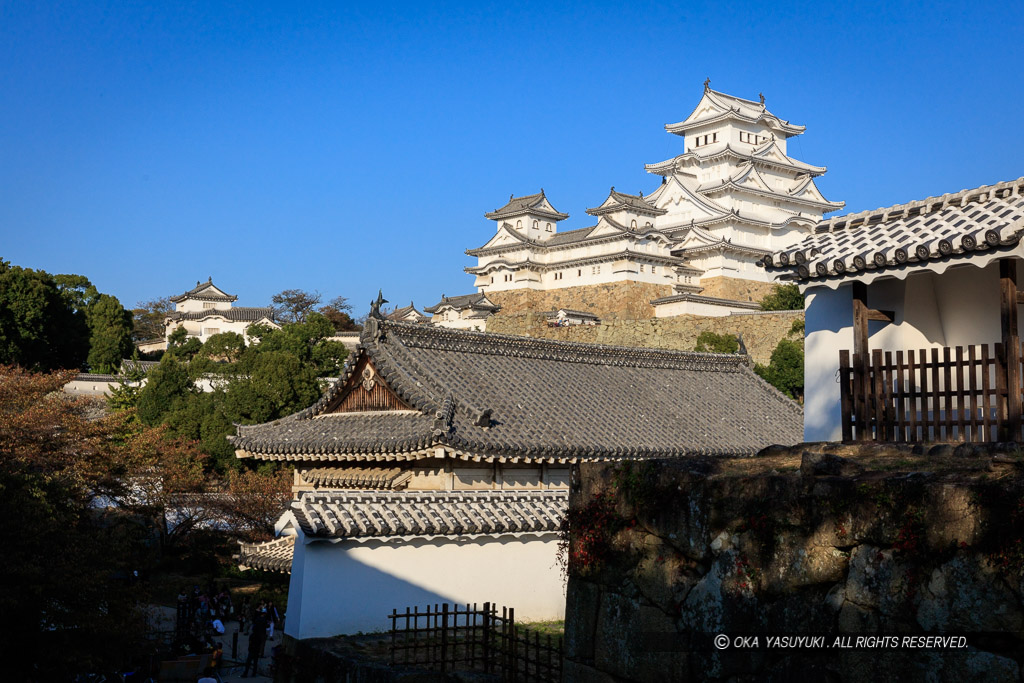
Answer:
[(735, 288), (761, 331), (818, 540), (612, 300)]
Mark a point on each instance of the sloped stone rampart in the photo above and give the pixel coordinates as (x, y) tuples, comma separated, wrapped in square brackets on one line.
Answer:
[(734, 288), (817, 540), (761, 331), (612, 300)]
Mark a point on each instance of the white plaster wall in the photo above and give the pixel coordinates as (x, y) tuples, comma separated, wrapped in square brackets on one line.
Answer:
[(669, 310), (828, 328), (349, 586)]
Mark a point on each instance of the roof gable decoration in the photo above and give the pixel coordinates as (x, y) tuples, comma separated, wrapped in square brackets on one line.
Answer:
[(204, 290), (620, 201), (716, 106), (533, 204)]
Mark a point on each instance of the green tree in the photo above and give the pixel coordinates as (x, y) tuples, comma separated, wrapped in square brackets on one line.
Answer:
[(168, 387), (783, 298), (110, 334), (226, 347), (785, 371), (709, 341), (38, 327)]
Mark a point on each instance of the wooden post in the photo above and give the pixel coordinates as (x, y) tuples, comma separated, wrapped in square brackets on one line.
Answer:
[(860, 359), (1010, 430)]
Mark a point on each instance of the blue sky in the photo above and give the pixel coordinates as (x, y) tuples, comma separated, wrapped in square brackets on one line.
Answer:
[(345, 147)]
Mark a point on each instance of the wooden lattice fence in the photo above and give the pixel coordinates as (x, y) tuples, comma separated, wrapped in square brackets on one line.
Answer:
[(455, 637)]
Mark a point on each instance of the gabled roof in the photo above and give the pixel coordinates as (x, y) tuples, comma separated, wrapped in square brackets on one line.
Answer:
[(440, 513), (970, 225), (748, 179), (408, 313), (204, 291), (235, 314), (618, 201), (534, 204), (476, 301), (498, 397), (716, 106)]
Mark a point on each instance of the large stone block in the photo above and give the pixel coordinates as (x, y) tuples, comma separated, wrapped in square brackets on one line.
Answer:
[(582, 600), (968, 594)]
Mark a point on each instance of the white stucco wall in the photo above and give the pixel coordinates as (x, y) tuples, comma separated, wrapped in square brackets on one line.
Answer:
[(353, 586)]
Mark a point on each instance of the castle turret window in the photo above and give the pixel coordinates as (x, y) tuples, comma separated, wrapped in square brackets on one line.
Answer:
[(547, 227)]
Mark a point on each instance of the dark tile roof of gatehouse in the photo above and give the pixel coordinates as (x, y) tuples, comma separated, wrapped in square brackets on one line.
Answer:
[(271, 556), (199, 292), (499, 397)]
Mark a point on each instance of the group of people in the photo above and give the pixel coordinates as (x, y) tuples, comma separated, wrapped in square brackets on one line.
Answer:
[(201, 617)]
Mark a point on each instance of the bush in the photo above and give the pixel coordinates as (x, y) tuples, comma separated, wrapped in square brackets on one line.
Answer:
[(716, 343), (783, 298)]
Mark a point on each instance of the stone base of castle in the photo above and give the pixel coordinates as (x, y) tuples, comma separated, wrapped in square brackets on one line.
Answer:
[(735, 289), (613, 300)]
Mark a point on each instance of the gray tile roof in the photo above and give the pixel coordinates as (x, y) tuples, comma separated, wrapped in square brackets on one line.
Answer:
[(272, 556), (477, 300), (441, 513), (617, 201), (408, 312), (908, 236), (531, 203), (713, 301), (497, 397), (236, 313), (571, 312), (357, 477), (197, 293)]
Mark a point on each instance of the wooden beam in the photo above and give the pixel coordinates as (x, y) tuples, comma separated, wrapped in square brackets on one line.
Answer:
[(881, 316), (860, 360), (860, 319), (1009, 297)]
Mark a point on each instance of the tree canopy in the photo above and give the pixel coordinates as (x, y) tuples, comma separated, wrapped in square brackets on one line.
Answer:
[(293, 305), (783, 298), (712, 342)]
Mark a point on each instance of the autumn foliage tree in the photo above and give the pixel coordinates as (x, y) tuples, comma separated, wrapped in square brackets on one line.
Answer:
[(78, 502)]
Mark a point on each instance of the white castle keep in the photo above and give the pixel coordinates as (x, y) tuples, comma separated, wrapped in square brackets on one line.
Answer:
[(732, 197)]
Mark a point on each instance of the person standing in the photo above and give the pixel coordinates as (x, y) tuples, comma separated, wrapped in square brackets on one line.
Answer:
[(256, 641)]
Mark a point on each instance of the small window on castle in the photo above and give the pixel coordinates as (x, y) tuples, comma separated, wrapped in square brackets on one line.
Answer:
[(579, 272), (547, 227), (714, 137), (211, 330), (492, 279), (632, 224), (641, 267), (647, 224), (536, 225), (519, 224), (207, 306), (654, 269)]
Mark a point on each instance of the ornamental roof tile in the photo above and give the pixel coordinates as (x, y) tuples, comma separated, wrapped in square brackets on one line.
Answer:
[(498, 397), (909, 236), (536, 204), (272, 556), (407, 513)]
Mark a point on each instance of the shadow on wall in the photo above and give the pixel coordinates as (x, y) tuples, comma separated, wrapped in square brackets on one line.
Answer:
[(353, 586)]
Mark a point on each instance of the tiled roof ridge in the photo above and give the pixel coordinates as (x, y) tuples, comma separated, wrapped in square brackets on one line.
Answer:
[(525, 204), (928, 205), (200, 287), (466, 341), (307, 497)]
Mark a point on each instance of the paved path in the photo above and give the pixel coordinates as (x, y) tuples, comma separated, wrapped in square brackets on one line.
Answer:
[(163, 618)]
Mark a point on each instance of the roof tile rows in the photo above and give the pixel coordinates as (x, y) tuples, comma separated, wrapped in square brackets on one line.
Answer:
[(236, 313), (272, 556), (357, 477), (496, 397), (199, 292), (532, 203), (909, 235), (366, 515)]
